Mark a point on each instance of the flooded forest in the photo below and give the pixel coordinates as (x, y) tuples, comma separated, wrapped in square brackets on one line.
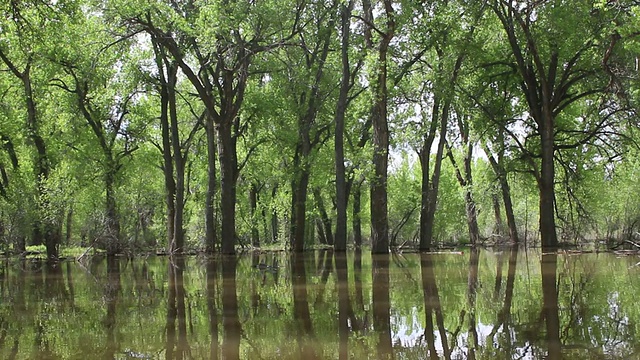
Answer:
[(134, 127), (319, 179)]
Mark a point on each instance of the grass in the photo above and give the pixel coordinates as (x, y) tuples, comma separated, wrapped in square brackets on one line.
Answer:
[(40, 251)]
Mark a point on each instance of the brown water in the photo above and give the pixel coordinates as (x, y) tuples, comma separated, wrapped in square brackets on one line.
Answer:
[(477, 304)]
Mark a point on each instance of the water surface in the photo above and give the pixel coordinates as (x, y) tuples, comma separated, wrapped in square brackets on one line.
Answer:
[(476, 304)]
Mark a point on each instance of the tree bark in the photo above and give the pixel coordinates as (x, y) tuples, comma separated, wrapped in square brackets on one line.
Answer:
[(167, 166), (211, 236), (341, 184), (380, 140), (228, 175), (326, 221), (546, 186), (501, 174), (355, 218), (253, 204)]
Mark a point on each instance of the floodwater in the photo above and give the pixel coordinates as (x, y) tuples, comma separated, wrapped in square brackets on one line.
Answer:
[(475, 304)]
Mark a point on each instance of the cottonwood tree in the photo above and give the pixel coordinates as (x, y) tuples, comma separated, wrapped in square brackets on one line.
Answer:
[(104, 91), (217, 61), (24, 26), (559, 67)]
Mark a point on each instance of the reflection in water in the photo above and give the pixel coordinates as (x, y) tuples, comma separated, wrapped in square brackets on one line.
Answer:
[(301, 314), (177, 346), (357, 278), (111, 294), (212, 274), (230, 322), (549, 266), (504, 314), (576, 306), (381, 304), (472, 287), (343, 304), (432, 307)]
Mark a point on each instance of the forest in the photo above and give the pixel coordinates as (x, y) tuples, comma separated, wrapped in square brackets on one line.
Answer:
[(192, 125)]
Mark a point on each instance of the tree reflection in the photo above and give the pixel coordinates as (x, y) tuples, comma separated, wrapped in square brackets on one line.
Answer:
[(301, 315), (549, 264), (212, 274), (111, 294), (230, 322), (381, 304), (343, 303), (504, 315), (472, 288), (177, 346), (432, 307)]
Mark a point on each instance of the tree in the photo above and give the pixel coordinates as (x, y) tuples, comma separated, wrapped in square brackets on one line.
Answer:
[(557, 68), (23, 28), (379, 121), (104, 97)]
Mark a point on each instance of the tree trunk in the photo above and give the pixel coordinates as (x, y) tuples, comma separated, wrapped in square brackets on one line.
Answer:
[(112, 225), (298, 211), (470, 204), (466, 182), (167, 167), (228, 172), (326, 221), (341, 185), (430, 189), (355, 218), (501, 174), (274, 217), (69, 226), (179, 162), (380, 140), (209, 212), (546, 187), (499, 227), (253, 204), (47, 229)]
